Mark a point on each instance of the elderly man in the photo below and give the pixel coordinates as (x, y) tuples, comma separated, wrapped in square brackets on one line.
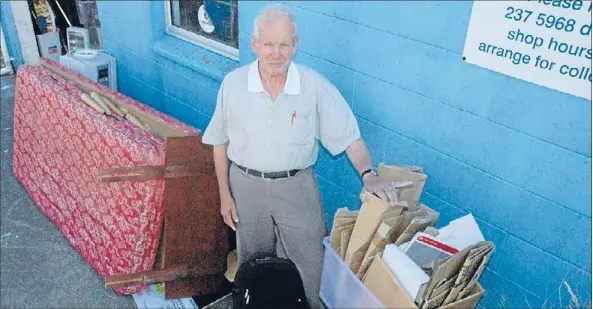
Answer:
[(268, 119)]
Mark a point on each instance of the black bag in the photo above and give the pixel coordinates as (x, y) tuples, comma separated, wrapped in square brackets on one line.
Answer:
[(269, 282)]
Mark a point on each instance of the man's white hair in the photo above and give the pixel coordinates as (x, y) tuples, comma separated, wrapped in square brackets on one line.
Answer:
[(272, 12)]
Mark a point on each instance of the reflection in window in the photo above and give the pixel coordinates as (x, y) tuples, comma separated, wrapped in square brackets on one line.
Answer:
[(208, 23)]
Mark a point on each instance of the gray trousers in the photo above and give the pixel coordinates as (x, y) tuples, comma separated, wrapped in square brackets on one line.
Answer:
[(281, 217)]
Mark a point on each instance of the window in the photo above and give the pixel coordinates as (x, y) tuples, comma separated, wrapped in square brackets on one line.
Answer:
[(211, 24)]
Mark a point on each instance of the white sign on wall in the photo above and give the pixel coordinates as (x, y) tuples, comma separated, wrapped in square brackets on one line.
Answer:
[(546, 42)]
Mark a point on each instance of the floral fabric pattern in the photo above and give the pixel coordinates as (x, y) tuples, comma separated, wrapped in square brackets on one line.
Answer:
[(61, 145)]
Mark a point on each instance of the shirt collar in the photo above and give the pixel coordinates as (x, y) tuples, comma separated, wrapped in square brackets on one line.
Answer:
[(293, 79)]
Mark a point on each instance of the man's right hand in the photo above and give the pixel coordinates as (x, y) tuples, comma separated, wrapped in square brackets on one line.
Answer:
[(228, 210)]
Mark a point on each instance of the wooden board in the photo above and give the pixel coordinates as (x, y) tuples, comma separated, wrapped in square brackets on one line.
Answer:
[(195, 234)]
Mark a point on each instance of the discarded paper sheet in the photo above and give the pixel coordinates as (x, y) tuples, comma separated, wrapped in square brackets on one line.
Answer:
[(153, 297)]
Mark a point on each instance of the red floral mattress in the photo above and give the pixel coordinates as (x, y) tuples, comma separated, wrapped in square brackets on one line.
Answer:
[(60, 147)]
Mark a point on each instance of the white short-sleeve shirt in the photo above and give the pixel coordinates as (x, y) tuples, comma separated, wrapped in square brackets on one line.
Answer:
[(281, 135)]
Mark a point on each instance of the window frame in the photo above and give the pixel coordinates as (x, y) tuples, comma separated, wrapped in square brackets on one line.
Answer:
[(196, 39)]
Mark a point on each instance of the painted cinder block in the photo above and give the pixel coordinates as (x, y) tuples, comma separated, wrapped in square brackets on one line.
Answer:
[(547, 170), (140, 67), (186, 113), (441, 74), (497, 202), (191, 92), (543, 274), (194, 62), (140, 91), (375, 138), (501, 293), (436, 23), (138, 12), (342, 78)]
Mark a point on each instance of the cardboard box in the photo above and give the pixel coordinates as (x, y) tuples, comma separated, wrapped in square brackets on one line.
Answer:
[(50, 46), (383, 284)]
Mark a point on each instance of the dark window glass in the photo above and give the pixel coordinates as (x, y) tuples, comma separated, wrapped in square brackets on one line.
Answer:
[(214, 19)]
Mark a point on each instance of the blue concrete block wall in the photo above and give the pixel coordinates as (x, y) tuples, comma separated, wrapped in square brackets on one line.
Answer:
[(10, 34), (514, 154), (159, 70)]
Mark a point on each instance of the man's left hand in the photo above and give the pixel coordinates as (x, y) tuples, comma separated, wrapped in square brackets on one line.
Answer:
[(386, 190)]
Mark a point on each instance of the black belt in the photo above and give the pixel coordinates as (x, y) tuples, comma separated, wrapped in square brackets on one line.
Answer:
[(268, 175)]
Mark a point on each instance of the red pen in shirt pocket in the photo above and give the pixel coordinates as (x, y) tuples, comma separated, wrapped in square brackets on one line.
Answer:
[(293, 118)]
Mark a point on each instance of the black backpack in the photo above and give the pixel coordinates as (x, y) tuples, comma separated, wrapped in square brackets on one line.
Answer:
[(269, 282)]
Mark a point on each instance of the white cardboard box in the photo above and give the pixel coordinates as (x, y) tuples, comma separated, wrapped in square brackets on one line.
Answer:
[(50, 46)]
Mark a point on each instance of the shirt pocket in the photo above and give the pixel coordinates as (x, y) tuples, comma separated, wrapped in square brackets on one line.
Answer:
[(298, 128)]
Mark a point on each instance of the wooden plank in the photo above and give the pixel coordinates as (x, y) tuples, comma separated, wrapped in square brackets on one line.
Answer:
[(147, 277), (154, 172), (195, 234), (158, 127)]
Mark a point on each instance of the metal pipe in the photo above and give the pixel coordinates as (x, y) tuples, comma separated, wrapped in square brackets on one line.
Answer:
[(64, 14)]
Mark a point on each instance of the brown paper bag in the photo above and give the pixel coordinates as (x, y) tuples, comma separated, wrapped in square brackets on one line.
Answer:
[(345, 239), (424, 218), (402, 173), (409, 215), (342, 220), (345, 215), (393, 212), (336, 236), (381, 239), (365, 227), (376, 247)]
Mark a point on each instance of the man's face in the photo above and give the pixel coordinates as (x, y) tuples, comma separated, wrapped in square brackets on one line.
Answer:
[(275, 47)]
